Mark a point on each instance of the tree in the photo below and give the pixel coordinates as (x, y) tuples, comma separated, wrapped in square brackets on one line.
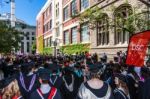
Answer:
[(34, 47), (135, 22), (9, 38), (91, 16)]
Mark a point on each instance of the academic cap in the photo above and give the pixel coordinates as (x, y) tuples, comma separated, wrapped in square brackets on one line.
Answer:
[(95, 68), (44, 74), (121, 77)]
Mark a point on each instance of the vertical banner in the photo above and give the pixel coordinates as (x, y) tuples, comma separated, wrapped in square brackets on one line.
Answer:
[(137, 49)]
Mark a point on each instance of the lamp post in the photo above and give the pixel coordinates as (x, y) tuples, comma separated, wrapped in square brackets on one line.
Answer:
[(55, 45)]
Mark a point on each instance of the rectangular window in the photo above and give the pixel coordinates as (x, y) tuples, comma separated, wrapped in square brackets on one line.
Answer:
[(50, 9), (50, 41), (22, 38), (28, 47), (45, 28), (32, 38), (45, 43), (74, 32), (27, 34), (66, 37), (74, 7), (66, 13), (44, 15), (50, 24), (33, 33), (22, 47), (84, 4), (84, 33), (57, 10), (28, 38)]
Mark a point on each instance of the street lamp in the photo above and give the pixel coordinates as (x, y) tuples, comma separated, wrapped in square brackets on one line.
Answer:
[(55, 43)]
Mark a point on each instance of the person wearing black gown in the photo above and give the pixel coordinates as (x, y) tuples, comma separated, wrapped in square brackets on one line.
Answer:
[(45, 91), (121, 91), (132, 82), (27, 80), (67, 87), (56, 75)]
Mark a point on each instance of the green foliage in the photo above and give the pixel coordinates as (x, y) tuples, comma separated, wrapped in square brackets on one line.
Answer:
[(75, 48), (92, 16), (9, 38), (135, 22), (48, 50), (141, 22), (33, 46)]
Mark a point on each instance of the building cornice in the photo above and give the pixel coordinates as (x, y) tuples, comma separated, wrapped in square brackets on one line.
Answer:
[(43, 8)]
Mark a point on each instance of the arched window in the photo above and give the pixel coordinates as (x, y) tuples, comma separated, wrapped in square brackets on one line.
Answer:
[(120, 15), (103, 31)]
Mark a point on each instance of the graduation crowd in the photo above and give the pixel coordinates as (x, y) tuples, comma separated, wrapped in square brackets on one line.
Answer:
[(80, 76)]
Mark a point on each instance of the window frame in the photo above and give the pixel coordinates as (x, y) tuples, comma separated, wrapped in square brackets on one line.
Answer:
[(66, 13)]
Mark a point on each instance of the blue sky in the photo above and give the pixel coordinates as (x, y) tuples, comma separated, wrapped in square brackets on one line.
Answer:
[(26, 10)]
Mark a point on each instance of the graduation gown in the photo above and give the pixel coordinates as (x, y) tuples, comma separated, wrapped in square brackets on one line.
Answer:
[(140, 89), (119, 94), (56, 81), (146, 92), (78, 81), (28, 80), (52, 94), (67, 88), (131, 85), (86, 92)]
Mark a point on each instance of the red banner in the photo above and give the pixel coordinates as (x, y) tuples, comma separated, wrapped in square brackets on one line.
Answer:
[(137, 49)]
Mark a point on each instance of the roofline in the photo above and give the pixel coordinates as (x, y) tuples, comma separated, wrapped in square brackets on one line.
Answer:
[(43, 9)]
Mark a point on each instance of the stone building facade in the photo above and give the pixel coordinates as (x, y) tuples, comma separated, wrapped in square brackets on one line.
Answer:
[(112, 39)]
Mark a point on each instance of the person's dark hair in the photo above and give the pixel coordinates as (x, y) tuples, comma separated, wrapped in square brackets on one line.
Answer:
[(145, 72), (131, 69), (116, 68), (95, 71), (95, 75), (45, 81), (26, 68)]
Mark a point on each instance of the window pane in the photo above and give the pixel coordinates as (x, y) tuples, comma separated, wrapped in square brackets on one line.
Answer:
[(22, 47), (66, 13), (103, 31), (121, 14), (50, 24), (74, 7), (32, 38), (28, 46), (50, 41), (84, 33), (84, 4), (74, 35), (66, 37)]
